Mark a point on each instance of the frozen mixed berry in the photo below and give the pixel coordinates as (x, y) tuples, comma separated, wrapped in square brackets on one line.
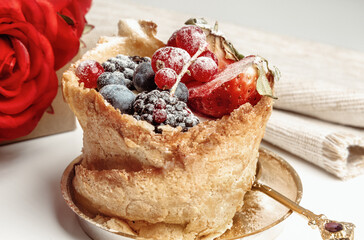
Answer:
[(159, 115), (108, 78), (165, 78), (125, 65), (190, 38), (228, 90), (181, 92), (203, 69), (170, 57), (143, 79), (118, 63), (172, 40), (138, 59), (88, 71), (211, 55), (160, 108), (119, 96)]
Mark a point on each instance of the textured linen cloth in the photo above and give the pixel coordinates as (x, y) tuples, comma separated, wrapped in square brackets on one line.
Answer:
[(340, 103), (337, 149), (318, 80), (332, 91)]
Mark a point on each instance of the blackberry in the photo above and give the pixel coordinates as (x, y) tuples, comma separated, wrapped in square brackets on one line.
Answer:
[(118, 63), (159, 108), (139, 60)]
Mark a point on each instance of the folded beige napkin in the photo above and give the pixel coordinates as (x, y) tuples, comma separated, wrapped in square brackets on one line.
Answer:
[(336, 148), (340, 103), (322, 93)]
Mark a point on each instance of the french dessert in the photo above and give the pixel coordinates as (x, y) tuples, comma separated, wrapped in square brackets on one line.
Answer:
[(150, 165)]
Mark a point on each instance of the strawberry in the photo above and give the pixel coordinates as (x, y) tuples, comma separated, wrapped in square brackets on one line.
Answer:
[(234, 86)]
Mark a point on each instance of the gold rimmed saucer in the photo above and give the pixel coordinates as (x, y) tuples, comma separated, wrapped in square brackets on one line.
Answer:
[(260, 218)]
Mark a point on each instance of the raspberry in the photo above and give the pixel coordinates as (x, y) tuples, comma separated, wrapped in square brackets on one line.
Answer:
[(190, 38), (170, 57), (165, 78), (88, 71), (203, 69)]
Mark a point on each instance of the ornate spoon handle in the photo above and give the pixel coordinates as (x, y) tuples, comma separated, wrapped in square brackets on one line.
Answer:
[(329, 229)]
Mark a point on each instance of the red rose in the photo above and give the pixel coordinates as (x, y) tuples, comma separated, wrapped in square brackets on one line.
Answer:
[(61, 22), (28, 82), (36, 38), (67, 26)]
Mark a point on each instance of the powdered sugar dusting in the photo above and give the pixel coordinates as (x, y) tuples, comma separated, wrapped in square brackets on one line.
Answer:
[(170, 57)]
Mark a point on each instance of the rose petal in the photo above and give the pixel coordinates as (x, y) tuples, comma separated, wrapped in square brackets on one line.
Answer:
[(20, 114), (11, 83), (26, 96), (7, 55)]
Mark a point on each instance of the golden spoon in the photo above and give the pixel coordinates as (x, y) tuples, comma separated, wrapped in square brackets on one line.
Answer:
[(329, 229)]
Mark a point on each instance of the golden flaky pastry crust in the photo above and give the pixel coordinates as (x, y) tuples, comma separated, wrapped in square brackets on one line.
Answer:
[(174, 185)]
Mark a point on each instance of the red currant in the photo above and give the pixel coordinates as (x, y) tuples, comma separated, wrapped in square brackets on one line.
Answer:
[(165, 78), (203, 69), (172, 40), (170, 57), (88, 71), (211, 55), (190, 38)]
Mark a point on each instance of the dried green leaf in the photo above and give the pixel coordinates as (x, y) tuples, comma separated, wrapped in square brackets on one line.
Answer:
[(217, 41), (263, 86), (88, 28), (195, 21)]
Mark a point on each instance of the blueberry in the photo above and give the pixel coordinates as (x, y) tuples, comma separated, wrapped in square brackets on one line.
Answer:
[(181, 92), (119, 96), (144, 77), (108, 78)]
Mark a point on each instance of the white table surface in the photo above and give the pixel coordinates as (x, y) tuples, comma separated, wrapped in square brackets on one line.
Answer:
[(31, 203)]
